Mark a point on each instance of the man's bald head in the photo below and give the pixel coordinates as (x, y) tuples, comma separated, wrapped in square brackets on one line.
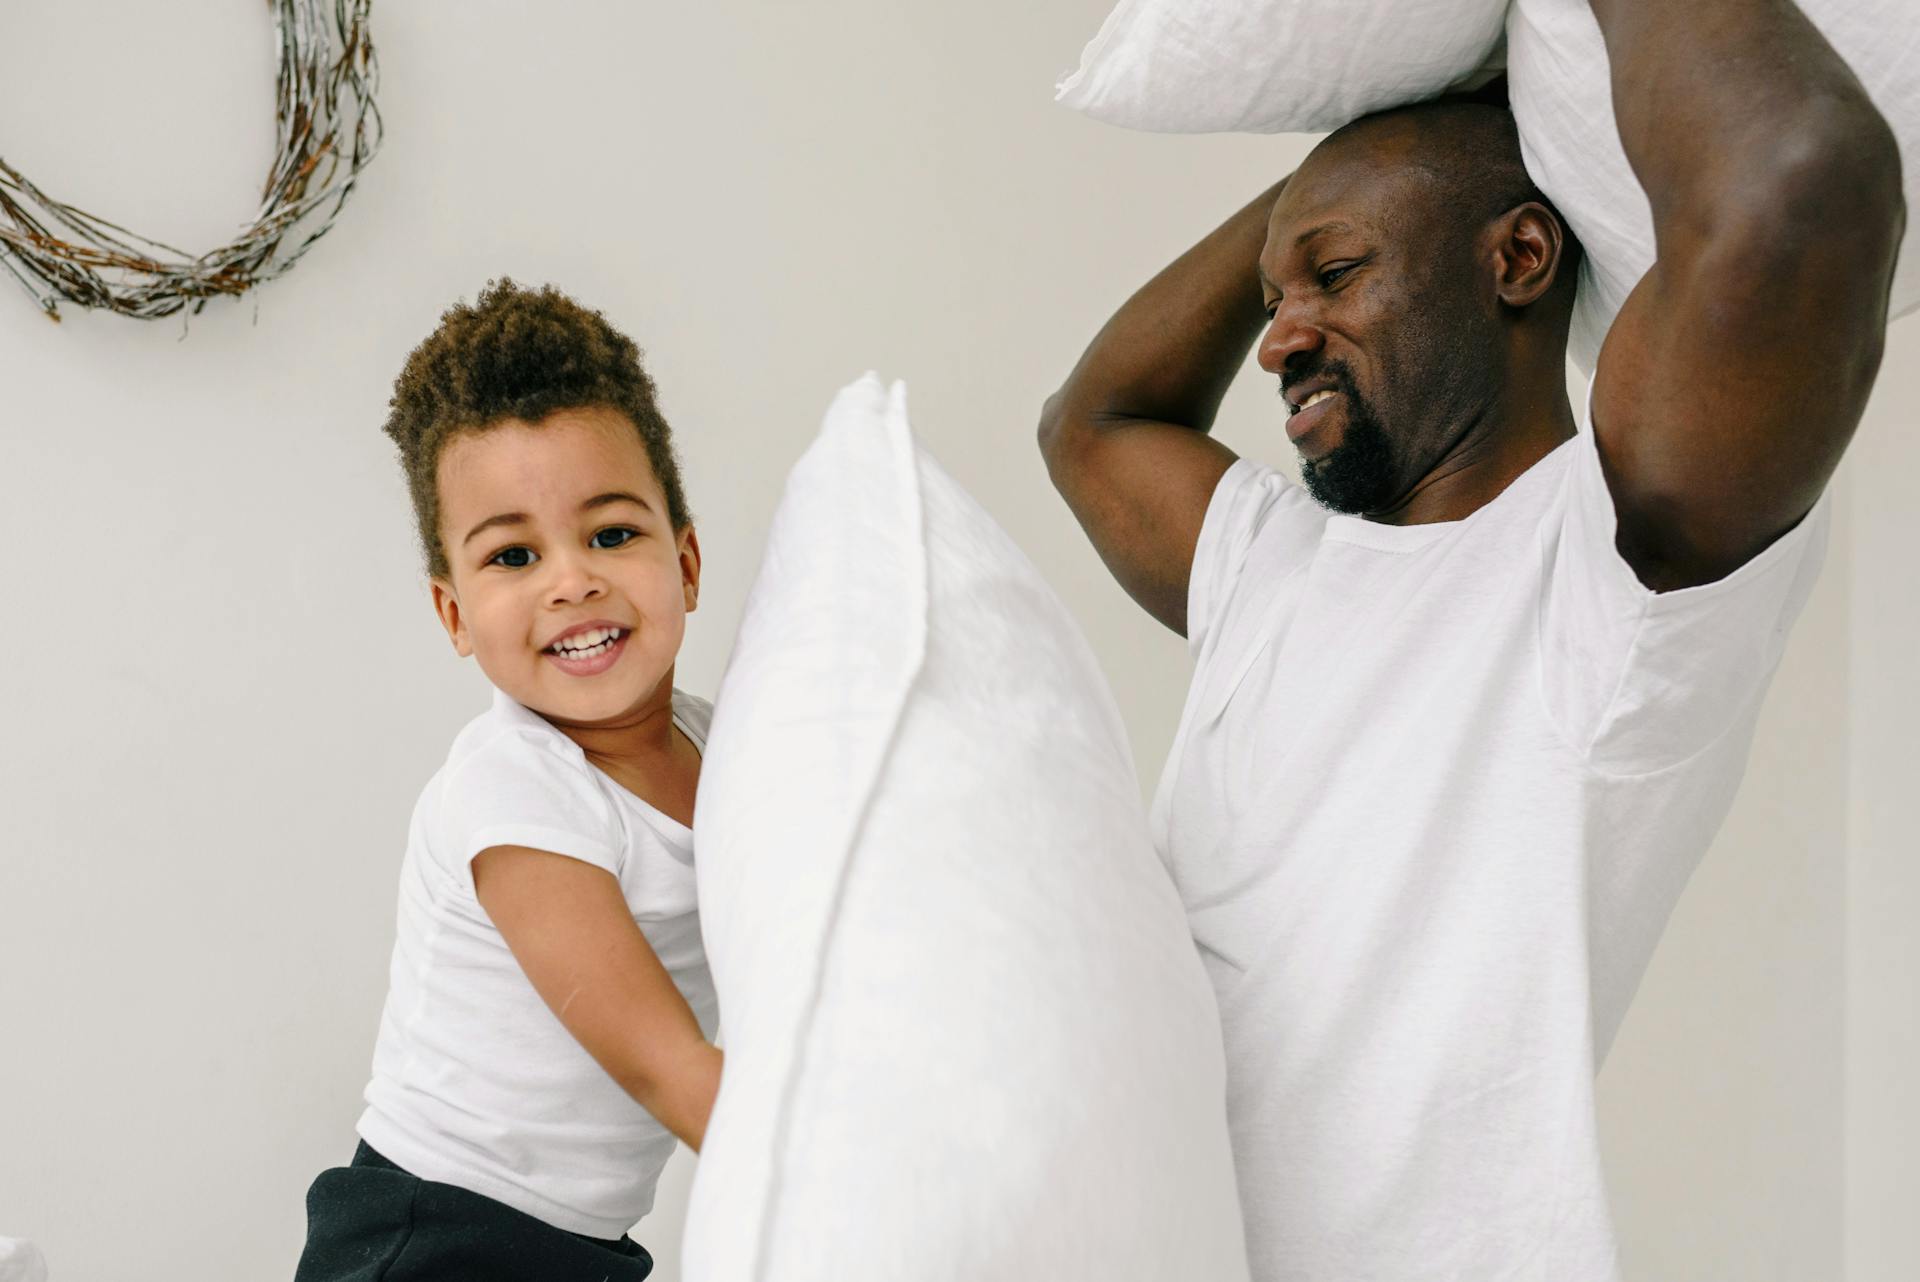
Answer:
[(1462, 153)]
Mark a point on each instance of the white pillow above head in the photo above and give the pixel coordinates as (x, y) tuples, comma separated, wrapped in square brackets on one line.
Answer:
[(1279, 66), (1562, 93), (968, 1034)]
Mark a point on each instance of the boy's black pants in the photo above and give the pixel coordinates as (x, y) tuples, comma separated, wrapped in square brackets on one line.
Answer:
[(373, 1222)]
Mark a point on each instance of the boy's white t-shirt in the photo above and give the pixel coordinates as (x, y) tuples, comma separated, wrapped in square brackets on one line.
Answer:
[(476, 1083), (1434, 794)]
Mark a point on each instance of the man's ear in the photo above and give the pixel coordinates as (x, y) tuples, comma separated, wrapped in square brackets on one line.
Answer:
[(1528, 255), (689, 544), (447, 606)]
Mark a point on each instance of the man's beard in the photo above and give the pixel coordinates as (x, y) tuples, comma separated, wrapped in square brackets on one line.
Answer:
[(1360, 474)]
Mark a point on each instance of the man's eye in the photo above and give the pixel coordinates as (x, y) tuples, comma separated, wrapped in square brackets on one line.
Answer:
[(613, 536), (513, 558), (1331, 276)]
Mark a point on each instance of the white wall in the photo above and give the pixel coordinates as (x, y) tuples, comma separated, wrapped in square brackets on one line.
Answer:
[(221, 687), (1883, 866)]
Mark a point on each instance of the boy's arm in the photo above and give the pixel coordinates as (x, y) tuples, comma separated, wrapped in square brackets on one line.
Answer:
[(571, 931), (1125, 439), (1738, 368)]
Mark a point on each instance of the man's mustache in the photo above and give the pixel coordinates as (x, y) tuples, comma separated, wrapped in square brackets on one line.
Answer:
[(1334, 372)]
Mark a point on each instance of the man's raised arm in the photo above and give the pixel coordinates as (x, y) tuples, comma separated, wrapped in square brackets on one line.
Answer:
[(1125, 439), (1740, 365)]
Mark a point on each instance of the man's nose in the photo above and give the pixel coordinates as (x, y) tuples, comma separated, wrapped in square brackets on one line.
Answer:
[(1291, 333)]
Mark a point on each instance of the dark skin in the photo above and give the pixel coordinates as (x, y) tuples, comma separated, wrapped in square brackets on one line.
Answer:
[(1360, 242), (1724, 395), (1739, 367)]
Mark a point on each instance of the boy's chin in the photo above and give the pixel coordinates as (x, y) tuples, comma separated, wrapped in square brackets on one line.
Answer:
[(603, 699)]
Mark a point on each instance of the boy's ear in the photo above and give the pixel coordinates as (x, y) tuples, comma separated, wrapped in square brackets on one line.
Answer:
[(447, 606), (689, 544)]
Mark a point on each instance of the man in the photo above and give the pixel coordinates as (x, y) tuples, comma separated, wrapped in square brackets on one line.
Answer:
[(1452, 750)]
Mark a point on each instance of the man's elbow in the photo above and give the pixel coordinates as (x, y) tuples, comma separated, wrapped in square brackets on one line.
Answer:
[(1814, 219), (1835, 175), (1058, 431)]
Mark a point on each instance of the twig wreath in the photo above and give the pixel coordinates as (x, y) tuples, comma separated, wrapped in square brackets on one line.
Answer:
[(328, 130)]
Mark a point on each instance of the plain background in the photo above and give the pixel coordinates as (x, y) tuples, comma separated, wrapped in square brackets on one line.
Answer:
[(222, 687)]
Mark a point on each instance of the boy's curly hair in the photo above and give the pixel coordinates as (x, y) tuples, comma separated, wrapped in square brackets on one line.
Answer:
[(517, 354)]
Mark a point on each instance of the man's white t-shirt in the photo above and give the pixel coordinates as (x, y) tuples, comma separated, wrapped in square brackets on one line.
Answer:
[(476, 1082), (1433, 797)]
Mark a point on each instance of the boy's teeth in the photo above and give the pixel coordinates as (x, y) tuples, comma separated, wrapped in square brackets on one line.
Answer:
[(582, 642)]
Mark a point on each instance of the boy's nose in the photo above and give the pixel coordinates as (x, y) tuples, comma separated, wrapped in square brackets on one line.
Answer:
[(573, 581)]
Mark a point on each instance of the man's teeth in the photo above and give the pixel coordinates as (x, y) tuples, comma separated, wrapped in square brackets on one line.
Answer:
[(1316, 398), (585, 645)]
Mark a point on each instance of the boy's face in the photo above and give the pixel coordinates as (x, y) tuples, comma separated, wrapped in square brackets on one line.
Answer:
[(569, 583)]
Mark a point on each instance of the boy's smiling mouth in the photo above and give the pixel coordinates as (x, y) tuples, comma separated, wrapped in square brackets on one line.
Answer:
[(589, 648)]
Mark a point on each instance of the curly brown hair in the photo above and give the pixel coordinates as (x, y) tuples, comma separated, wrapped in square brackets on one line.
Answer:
[(520, 354)]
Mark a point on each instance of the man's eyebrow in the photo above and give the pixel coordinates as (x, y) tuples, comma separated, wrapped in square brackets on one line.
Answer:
[(1321, 230)]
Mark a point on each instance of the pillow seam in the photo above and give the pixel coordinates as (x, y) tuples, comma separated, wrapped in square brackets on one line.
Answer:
[(906, 461)]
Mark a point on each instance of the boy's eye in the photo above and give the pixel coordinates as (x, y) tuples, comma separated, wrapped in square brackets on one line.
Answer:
[(513, 558), (613, 536)]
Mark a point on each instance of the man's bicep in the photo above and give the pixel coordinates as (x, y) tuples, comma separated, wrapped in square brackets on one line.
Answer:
[(1724, 395), (1140, 490)]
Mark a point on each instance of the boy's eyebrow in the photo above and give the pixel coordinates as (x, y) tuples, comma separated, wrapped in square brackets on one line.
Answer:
[(505, 518), (520, 518), (615, 496)]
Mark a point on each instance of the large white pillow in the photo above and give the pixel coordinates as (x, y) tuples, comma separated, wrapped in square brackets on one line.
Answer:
[(1278, 66), (1563, 103), (968, 1035)]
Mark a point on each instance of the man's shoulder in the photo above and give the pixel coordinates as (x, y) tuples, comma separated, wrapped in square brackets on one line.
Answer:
[(1257, 513)]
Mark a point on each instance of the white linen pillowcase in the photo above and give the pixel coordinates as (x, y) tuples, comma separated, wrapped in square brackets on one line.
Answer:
[(1271, 66), (967, 1031), (1562, 93), (1278, 66)]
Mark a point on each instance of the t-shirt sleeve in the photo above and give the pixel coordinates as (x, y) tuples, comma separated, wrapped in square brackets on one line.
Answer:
[(696, 717), (519, 790), (1641, 680), (1253, 506)]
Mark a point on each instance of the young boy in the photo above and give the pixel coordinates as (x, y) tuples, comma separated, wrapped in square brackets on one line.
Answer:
[(545, 1035)]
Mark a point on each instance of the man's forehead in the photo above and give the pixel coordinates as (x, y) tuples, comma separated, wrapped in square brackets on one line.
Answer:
[(1301, 217), (1349, 189)]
